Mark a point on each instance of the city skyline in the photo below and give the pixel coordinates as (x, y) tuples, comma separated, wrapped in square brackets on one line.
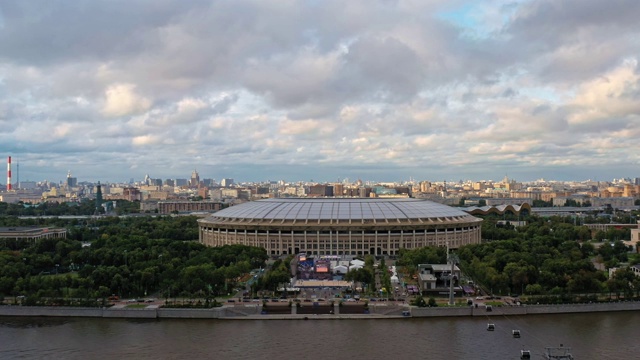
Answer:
[(187, 178), (385, 91)]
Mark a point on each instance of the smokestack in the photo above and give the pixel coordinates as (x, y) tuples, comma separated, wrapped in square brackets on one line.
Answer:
[(9, 174)]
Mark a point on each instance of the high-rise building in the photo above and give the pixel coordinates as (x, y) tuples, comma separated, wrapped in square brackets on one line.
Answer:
[(320, 190), (195, 179), (27, 185), (71, 181), (226, 182)]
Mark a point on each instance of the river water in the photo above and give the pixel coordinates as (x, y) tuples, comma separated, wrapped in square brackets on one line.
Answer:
[(595, 336)]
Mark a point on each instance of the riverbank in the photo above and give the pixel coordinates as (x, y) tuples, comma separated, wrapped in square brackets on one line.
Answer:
[(254, 312)]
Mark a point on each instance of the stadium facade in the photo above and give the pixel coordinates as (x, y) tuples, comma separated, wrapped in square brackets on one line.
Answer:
[(340, 226)]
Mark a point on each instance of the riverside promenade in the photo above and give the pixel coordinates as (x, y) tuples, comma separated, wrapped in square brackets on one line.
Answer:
[(254, 312)]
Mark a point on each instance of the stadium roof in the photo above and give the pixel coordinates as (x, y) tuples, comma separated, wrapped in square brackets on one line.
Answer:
[(300, 209)]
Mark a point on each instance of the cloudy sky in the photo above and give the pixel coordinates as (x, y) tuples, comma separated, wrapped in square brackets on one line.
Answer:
[(299, 90)]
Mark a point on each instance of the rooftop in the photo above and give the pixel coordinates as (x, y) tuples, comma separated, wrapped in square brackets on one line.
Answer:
[(342, 209)]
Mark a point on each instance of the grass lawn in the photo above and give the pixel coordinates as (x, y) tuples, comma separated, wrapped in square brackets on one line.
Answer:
[(136, 306)]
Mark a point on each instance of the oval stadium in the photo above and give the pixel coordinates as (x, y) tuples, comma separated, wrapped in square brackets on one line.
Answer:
[(340, 226)]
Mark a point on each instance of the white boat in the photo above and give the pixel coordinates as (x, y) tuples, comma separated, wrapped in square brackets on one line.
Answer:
[(558, 353)]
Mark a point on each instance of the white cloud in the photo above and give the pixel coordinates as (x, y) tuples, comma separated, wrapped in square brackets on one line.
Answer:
[(121, 100), (146, 140), (418, 87), (614, 94)]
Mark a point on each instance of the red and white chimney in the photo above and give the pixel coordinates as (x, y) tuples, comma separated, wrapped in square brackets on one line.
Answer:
[(9, 174)]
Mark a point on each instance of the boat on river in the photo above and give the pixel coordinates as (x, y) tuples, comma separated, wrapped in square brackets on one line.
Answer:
[(558, 353)]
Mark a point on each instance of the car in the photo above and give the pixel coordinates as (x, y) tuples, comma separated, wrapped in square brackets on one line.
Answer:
[(231, 301), (150, 300), (307, 300), (132, 300), (479, 298)]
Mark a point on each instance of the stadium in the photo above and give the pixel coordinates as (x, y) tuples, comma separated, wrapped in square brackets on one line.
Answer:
[(340, 226)]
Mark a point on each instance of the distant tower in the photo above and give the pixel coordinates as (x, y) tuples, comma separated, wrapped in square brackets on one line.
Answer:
[(9, 174), (71, 181), (98, 197), (195, 179)]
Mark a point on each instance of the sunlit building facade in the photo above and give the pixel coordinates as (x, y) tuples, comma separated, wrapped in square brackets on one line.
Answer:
[(340, 226)]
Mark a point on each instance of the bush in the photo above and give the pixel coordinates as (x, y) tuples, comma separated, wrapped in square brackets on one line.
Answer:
[(419, 302)]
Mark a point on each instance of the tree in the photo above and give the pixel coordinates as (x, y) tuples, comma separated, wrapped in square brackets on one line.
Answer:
[(419, 302), (362, 275)]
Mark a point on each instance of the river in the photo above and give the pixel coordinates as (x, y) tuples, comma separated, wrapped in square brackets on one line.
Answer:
[(595, 336)]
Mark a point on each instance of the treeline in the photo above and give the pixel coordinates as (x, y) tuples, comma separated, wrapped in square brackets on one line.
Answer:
[(161, 227), (128, 257), (84, 207), (547, 256), (90, 229)]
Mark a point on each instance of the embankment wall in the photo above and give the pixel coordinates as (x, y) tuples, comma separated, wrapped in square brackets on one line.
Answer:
[(243, 313)]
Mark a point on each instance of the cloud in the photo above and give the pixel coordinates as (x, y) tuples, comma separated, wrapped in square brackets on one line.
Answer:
[(383, 89), (146, 140), (613, 95), (121, 99)]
